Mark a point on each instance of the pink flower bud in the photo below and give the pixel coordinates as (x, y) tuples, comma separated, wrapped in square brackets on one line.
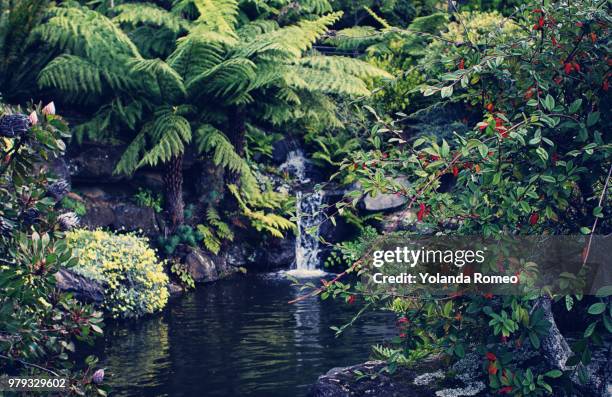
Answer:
[(98, 376), (33, 118), (49, 108)]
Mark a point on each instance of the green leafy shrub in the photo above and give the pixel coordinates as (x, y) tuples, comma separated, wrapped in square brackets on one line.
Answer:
[(179, 271), (40, 327), (535, 159), (136, 282), (146, 198), (74, 205), (185, 234)]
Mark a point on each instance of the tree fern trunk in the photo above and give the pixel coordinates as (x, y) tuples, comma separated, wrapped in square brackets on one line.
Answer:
[(173, 183), (237, 131)]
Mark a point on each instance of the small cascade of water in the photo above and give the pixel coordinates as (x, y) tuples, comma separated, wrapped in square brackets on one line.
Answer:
[(307, 241), (308, 207)]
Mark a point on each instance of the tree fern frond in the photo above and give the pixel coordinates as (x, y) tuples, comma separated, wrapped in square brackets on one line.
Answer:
[(217, 15), (210, 241), (274, 224), (149, 14), (332, 83), (378, 19), (128, 163), (339, 64), (169, 132), (251, 30), (169, 84), (355, 38), (86, 33), (289, 41), (210, 139), (72, 74), (317, 7), (229, 80), (197, 53)]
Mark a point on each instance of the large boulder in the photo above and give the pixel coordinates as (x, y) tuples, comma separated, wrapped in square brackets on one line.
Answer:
[(83, 288), (205, 268)]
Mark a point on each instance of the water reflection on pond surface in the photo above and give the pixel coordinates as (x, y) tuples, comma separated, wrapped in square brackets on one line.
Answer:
[(237, 338)]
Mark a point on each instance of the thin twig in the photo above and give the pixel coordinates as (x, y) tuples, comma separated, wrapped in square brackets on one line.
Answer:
[(30, 365), (601, 198)]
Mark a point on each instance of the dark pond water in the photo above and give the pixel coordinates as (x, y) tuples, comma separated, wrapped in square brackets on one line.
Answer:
[(237, 338)]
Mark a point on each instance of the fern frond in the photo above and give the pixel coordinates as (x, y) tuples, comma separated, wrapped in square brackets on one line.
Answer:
[(378, 19), (149, 14), (169, 132), (331, 83), (355, 38), (229, 80), (210, 139), (169, 84), (128, 163), (339, 64), (317, 7), (72, 74), (274, 224), (210, 241), (198, 52), (85, 32), (251, 30), (217, 15)]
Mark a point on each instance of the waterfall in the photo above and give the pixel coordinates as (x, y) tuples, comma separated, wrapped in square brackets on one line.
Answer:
[(308, 207)]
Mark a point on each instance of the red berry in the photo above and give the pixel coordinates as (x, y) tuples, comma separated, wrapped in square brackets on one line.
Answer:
[(455, 171), (533, 219), (490, 356)]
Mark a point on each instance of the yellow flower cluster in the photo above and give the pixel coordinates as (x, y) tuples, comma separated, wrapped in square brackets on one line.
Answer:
[(134, 277)]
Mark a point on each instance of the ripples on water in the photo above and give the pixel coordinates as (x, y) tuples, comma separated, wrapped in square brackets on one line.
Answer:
[(237, 338)]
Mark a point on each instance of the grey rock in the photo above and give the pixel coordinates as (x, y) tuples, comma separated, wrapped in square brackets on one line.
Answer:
[(426, 380), (281, 253), (206, 268), (95, 162), (174, 289), (83, 288), (386, 201), (237, 255), (119, 215)]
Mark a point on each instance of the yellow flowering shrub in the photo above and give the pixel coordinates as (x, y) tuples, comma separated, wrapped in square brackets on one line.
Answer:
[(134, 276)]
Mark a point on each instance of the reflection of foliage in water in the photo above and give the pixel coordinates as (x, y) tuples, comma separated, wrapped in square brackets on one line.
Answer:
[(142, 348)]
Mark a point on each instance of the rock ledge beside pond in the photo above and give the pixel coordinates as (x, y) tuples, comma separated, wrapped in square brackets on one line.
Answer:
[(430, 378)]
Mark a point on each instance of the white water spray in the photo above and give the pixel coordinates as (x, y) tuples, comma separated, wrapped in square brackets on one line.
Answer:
[(308, 208)]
